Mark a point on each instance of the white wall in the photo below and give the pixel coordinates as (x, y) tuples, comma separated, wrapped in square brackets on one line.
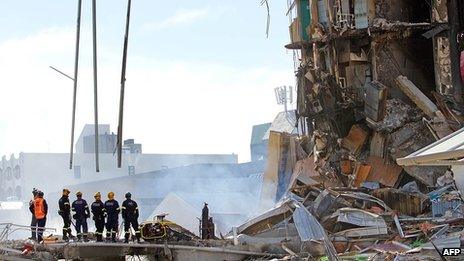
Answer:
[(50, 171)]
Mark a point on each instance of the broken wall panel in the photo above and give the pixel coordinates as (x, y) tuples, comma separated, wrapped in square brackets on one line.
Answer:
[(361, 173), (355, 140), (402, 202), (378, 145), (375, 101), (441, 46), (385, 174), (408, 139)]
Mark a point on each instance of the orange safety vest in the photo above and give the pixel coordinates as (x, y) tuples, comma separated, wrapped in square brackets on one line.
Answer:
[(39, 210)]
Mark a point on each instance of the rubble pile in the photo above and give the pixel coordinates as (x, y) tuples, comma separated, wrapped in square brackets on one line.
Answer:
[(363, 208), (377, 81)]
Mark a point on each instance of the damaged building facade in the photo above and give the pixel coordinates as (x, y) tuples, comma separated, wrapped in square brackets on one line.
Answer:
[(377, 80)]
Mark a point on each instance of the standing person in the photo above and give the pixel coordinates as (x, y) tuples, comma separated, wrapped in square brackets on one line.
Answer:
[(99, 214), (81, 213), (65, 213), (130, 214), (112, 223), (33, 219), (39, 209)]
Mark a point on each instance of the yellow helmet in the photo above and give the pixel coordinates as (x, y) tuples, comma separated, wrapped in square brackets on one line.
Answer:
[(79, 194), (111, 195), (66, 191), (97, 195)]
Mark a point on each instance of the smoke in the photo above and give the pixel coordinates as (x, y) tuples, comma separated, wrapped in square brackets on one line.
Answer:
[(233, 192)]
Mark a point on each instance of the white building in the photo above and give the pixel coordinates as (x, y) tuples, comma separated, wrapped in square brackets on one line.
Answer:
[(50, 171)]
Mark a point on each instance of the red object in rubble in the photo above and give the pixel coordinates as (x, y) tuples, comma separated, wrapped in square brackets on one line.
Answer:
[(28, 248), (461, 64)]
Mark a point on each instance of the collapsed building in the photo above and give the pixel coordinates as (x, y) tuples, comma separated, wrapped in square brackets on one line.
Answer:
[(376, 81)]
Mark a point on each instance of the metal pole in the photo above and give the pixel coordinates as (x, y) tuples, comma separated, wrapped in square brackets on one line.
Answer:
[(95, 80), (76, 65), (123, 84)]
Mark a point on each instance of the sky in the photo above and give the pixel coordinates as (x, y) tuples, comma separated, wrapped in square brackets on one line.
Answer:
[(200, 73)]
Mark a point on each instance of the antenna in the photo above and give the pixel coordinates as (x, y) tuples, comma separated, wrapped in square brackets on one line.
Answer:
[(284, 96)]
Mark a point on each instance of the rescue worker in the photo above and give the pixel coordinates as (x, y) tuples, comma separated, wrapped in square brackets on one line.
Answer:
[(39, 209), (65, 213), (33, 220), (81, 213), (112, 211), (99, 214), (130, 215)]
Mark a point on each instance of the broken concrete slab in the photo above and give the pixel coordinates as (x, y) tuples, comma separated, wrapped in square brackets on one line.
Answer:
[(418, 97), (355, 140)]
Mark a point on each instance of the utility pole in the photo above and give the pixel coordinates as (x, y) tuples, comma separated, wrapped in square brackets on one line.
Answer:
[(123, 85), (95, 80), (76, 65)]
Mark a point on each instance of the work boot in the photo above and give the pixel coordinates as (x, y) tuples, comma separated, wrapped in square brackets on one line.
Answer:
[(65, 236), (108, 237), (86, 238), (79, 238)]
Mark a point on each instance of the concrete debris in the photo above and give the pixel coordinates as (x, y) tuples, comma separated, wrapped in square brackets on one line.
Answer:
[(375, 82)]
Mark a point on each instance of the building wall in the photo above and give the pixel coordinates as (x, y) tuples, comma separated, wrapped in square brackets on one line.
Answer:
[(259, 151), (50, 171), (11, 183)]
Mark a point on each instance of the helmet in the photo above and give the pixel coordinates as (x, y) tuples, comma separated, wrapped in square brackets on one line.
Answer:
[(128, 195), (111, 195), (97, 195), (79, 194), (66, 191)]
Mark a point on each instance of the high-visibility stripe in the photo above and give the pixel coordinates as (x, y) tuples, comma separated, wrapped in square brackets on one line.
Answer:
[(67, 203)]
